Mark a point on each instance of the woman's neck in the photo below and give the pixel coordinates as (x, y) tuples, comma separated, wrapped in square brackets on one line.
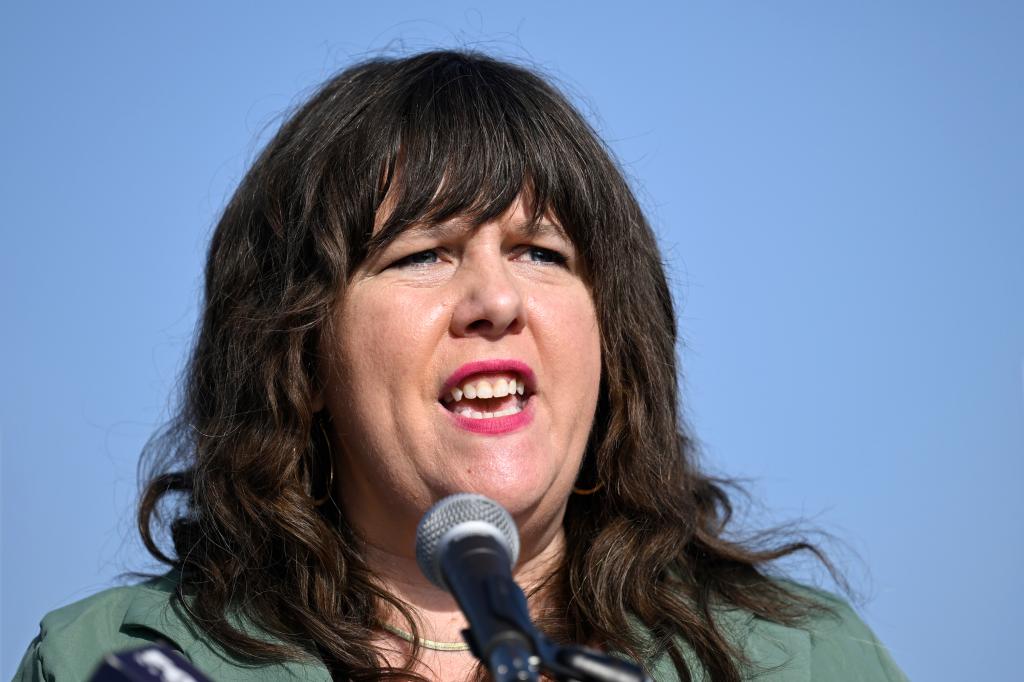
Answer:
[(437, 614)]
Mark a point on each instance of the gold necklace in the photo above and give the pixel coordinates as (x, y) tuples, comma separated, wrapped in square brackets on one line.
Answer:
[(431, 644)]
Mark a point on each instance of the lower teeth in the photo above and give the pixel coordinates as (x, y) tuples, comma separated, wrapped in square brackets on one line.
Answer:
[(473, 414)]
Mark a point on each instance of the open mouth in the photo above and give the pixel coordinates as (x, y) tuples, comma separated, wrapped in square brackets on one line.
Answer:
[(488, 395)]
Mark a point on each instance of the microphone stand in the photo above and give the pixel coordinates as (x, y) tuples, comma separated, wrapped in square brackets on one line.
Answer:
[(517, 651)]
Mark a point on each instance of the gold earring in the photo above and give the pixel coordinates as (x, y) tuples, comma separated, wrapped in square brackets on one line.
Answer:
[(588, 472), (330, 468), (587, 491)]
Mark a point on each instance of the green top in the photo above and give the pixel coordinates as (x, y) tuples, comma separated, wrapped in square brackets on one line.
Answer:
[(72, 640)]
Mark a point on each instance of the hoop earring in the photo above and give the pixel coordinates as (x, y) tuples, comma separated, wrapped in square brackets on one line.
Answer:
[(587, 491), (589, 474), (319, 502)]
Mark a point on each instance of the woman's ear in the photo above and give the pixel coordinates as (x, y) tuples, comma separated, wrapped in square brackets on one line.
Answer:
[(318, 400)]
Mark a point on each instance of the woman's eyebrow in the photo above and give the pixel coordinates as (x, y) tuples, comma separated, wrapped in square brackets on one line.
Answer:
[(543, 228), (450, 228)]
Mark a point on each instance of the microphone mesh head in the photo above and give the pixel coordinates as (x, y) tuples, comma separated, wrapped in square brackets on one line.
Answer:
[(458, 516)]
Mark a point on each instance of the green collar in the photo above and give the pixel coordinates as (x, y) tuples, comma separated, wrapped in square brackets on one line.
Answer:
[(153, 609)]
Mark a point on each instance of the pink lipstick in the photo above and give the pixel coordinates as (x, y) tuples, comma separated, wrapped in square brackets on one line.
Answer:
[(491, 366), (468, 413)]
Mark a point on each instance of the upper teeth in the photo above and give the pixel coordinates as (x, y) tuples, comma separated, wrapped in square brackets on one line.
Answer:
[(482, 388)]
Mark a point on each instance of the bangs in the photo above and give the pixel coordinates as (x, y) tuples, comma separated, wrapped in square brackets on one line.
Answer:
[(467, 138)]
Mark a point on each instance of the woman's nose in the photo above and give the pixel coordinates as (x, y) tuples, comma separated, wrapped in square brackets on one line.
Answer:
[(491, 302)]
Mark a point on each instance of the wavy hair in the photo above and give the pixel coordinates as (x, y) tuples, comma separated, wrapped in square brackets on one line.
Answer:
[(236, 475)]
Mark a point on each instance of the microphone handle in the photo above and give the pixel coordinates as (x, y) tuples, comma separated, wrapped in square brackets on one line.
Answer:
[(512, 659), (476, 572)]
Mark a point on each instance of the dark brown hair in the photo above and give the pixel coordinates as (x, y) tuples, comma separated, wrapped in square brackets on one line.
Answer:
[(246, 457)]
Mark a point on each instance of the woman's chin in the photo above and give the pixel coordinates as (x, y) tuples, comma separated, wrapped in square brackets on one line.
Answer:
[(523, 498)]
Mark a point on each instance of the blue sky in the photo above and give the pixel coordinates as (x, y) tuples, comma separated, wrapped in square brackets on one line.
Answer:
[(836, 187)]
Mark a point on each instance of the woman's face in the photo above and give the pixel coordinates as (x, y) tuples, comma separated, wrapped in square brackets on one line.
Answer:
[(464, 359)]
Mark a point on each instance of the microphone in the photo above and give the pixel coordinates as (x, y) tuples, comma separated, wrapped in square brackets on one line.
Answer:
[(466, 544), (152, 663)]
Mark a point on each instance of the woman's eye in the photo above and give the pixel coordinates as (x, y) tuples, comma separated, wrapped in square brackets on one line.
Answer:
[(538, 254), (419, 258)]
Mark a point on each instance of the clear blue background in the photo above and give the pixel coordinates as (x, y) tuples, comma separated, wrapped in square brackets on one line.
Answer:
[(837, 188)]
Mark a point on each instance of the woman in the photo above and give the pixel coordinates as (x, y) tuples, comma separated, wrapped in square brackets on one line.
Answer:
[(435, 279)]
